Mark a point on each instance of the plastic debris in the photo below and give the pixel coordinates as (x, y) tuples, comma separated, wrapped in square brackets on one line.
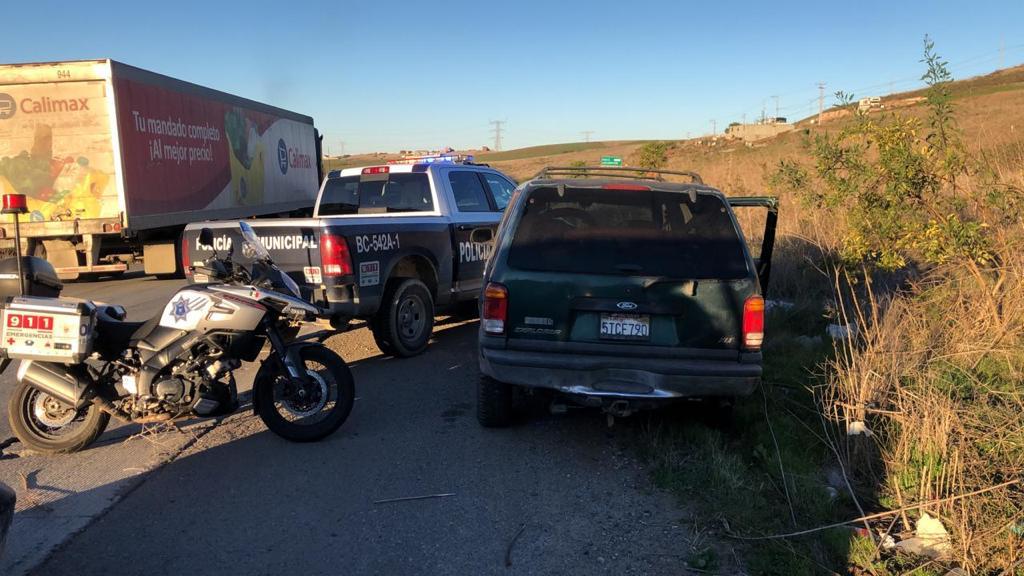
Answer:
[(858, 427), (930, 540), (842, 331)]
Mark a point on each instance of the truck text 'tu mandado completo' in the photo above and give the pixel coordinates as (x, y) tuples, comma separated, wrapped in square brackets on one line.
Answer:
[(116, 160)]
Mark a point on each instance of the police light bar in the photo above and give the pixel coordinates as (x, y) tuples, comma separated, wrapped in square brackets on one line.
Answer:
[(454, 158)]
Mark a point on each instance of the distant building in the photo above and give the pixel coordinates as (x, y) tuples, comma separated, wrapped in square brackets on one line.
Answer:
[(870, 103), (769, 128)]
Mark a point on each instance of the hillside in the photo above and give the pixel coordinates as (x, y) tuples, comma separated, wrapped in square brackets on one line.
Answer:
[(990, 111)]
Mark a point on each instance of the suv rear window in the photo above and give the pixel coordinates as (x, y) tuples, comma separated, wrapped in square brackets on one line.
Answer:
[(643, 233), (400, 192)]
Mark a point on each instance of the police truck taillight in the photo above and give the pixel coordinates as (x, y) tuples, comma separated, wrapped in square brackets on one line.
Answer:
[(186, 259), (334, 257), (753, 323), (494, 310)]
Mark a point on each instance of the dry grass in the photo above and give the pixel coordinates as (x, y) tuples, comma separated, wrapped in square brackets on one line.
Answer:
[(936, 376)]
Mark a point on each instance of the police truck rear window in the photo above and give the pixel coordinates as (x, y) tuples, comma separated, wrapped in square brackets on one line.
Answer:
[(627, 232), (400, 192)]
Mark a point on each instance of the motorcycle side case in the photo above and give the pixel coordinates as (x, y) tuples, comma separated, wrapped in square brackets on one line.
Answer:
[(47, 329)]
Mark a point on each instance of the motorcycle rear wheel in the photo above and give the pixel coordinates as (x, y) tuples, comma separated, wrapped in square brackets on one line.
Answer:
[(45, 425), (305, 412)]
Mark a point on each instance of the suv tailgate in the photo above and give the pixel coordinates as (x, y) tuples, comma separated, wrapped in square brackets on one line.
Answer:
[(639, 270)]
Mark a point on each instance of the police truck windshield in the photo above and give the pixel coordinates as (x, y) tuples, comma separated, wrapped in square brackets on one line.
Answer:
[(401, 192)]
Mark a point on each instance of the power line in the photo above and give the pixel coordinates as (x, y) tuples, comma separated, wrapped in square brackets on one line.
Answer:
[(497, 133)]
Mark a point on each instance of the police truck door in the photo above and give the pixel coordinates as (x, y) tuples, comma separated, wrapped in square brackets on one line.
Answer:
[(473, 209)]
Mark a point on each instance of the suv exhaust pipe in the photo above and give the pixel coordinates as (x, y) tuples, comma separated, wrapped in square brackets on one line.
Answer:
[(54, 380)]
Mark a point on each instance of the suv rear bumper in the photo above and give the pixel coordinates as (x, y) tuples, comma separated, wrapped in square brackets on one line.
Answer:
[(620, 376)]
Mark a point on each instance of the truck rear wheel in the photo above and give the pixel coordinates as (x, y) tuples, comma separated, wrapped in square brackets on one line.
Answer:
[(495, 403), (405, 320)]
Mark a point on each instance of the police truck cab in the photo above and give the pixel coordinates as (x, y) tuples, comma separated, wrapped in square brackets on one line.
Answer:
[(389, 244)]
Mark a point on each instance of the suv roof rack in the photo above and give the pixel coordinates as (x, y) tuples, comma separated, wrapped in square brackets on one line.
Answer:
[(582, 171)]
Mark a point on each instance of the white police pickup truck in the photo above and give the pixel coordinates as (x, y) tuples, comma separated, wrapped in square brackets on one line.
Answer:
[(388, 244)]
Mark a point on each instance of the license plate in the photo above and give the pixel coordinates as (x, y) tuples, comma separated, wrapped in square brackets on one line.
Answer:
[(312, 275), (625, 326)]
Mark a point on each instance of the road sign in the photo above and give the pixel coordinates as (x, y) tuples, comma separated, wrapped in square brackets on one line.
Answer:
[(611, 160)]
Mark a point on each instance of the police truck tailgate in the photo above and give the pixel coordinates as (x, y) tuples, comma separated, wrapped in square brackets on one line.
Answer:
[(294, 244)]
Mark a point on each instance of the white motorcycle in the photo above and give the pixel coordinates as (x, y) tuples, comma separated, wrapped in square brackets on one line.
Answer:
[(82, 362)]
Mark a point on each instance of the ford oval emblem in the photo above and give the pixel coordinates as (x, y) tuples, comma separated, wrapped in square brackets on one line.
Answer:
[(626, 305)]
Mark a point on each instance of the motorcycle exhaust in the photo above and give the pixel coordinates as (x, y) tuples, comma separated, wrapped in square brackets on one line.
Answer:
[(55, 380)]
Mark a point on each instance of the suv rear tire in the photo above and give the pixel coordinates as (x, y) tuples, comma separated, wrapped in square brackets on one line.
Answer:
[(405, 320), (495, 403)]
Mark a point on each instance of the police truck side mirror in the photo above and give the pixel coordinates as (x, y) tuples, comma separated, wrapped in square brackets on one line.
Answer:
[(206, 237), (481, 235)]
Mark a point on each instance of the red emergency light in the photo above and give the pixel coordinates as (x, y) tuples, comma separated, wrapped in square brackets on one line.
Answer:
[(376, 170), (15, 204)]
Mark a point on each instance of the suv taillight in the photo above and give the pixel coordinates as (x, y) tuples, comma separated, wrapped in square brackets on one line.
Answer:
[(494, 310), (753, 323), (334, 256)]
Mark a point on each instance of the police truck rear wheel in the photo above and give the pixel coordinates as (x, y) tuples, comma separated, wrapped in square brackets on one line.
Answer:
[(406, 318)]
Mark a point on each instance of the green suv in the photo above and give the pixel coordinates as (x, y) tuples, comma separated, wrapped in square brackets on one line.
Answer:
[(622, 291)]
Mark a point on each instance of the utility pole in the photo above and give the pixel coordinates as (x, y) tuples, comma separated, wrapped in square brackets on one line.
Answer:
[(497, 133), (714, 127), (821, 100), (586, 134), (776, 106)]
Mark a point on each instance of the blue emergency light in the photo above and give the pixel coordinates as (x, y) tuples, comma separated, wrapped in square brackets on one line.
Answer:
[(433, 159)]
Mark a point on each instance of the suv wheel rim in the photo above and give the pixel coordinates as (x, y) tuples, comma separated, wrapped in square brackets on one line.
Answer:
[(411, 318)]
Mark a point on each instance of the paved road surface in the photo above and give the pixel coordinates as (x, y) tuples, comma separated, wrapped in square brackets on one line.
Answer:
[(232, 498)]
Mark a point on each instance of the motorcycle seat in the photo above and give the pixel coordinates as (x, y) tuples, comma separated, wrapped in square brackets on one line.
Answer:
[(114, 335)]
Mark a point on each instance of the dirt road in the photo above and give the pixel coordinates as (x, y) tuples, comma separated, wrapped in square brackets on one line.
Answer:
[(233, 498)]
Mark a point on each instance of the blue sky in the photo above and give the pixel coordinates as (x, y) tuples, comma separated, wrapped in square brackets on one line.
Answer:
[(391, 75)]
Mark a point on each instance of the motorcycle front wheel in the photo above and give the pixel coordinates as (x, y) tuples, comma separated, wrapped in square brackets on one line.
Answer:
[(310, 409), (44, 424)]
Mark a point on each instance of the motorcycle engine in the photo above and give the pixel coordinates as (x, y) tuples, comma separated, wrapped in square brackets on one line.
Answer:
[(171, 390), (177, 391)]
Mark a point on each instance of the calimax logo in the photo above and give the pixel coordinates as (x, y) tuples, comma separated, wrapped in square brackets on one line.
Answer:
[(7, 107), (45, 104)]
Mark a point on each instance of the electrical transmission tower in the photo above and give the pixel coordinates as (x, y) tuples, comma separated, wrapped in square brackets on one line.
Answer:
[(586, 134), (497, 132), (821, 100)]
